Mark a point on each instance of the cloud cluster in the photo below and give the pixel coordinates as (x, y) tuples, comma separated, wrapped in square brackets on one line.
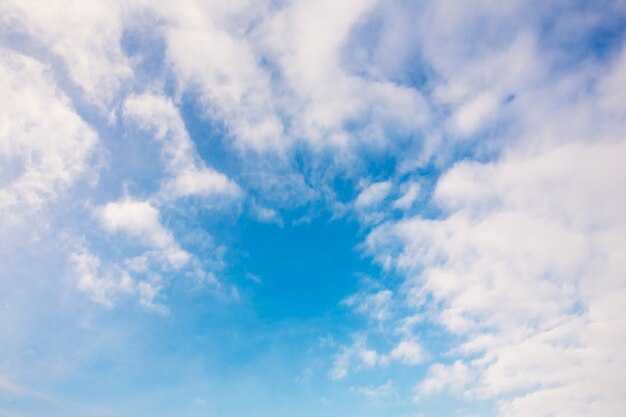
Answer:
[(527, 266), (84, 36), (526, 262), (139, 222), (188, 174), (358, 356), (44, 145), (260, 69), (522, 257)]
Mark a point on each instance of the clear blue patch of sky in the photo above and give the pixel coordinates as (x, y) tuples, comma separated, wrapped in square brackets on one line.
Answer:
[(305, 269)]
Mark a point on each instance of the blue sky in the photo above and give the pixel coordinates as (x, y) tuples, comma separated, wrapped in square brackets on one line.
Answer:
[(331, 208)]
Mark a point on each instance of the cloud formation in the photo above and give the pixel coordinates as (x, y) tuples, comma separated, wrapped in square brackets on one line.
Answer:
[(189, 174), (479, 149), (45, 146), (525, 265)]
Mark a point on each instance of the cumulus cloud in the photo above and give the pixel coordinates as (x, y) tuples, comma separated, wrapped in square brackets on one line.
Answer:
[(136, 222), (140, 220), (45, 146), (526, 265), (355, 356), (411, 194), (266, 215), (85, 36), (373, 194), (283, 82), (189, 175), (234, 86), (105, 283), (89, 280), (324, 96), (377, 306), (474, 114), (408, 352), (204, 181), (439, 377), (523, 262)]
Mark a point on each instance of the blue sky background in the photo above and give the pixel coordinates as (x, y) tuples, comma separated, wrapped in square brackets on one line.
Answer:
[(330, 208)]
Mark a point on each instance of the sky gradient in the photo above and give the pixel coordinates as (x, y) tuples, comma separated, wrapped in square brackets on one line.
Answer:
[(312, 208)]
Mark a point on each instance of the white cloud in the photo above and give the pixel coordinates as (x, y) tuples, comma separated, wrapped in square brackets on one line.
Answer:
[(189, 174), (266, 215), (140, 220), (474, 114), (137, 218), (408, 352), (223, 67), (373, 195), (144, 275), (526, 266), (104, 283), (327, 96), (354, 357), (323, 96), (441, 377), (377, 306), (202, 181), (411, 194), (44, 145), (283, 81), (525, 263), (148, 291), (101, 289), (85, 35)]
